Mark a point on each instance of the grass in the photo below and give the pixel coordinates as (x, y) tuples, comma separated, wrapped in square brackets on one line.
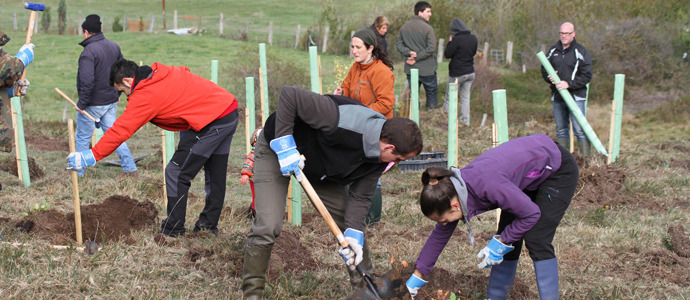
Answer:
[(604, 253)]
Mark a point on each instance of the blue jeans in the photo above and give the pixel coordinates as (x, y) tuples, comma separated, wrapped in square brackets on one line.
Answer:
[(464, 85), (561, 115), (430, 88), (85, 129)]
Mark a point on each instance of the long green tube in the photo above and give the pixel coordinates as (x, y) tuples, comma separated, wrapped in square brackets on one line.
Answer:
[(414, 95), (98, 132), (23, 159), (214, 71), (314, 68), (618, 89), (501, 115), (251, 105), (452, 125), (169, 145), (264, 78), (589, 132)]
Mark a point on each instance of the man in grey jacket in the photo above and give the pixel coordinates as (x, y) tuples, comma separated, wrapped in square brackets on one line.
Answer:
[(96, 95), (417, 42), (346, 145)]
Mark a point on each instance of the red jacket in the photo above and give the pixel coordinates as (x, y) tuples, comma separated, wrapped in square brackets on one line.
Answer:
[(173, 98)]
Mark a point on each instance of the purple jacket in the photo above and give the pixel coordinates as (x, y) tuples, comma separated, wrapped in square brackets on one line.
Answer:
[(496, 179)]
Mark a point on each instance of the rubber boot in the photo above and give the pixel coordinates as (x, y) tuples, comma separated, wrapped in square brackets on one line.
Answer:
[(547, 278), (563, 142), (501, 280), (585, 148), (254, 271), (355, 278), (374, 214)]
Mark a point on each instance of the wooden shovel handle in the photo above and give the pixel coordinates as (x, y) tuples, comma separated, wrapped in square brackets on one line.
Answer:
[(29, 33), (75, 105)]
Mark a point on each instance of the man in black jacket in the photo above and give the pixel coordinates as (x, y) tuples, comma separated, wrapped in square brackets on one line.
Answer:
[(96, 95), (574, 67), (346, 145), (461, 48)]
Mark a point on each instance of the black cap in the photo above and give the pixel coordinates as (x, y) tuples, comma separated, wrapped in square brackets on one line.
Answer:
[(92, 24)]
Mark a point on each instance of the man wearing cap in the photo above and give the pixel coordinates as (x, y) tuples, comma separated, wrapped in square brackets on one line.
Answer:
[(11, 69), (96, 95)]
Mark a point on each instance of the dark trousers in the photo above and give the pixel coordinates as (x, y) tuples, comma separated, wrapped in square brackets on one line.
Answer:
[(207, 148), (553, 198), (430, 84)]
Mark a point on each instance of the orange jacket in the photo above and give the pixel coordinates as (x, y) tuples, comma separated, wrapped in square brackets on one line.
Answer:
[(372, 85), (173, 98)]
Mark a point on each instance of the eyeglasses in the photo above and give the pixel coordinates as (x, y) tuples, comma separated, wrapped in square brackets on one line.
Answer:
[(566, 33)]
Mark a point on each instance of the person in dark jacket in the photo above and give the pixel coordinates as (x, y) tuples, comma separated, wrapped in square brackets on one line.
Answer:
[(532, 180), (573, 64), (461, 48), (347, 146), (96, 96), (380, 27)]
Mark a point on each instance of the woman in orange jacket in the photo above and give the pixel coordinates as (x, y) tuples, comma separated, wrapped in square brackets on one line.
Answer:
[(370, 80)]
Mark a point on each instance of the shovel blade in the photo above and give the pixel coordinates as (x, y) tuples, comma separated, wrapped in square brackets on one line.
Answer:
[(390, 286)]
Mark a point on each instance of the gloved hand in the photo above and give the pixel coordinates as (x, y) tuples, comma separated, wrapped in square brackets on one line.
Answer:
[(80, 160), (353, 254), (26, 54), (493, 253), (288, 156), (22, 86), (414, 284)]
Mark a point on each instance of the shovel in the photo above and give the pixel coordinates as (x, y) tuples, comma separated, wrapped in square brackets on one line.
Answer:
[(391, 283), (306, 185)]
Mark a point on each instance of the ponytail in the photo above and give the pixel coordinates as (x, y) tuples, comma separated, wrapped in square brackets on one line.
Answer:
[(437, 192)]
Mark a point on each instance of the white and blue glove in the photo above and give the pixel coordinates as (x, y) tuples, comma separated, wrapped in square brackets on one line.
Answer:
[(26, 54), (414, 284), (80, 160), (493, 253), (288, 156), (352, 255)]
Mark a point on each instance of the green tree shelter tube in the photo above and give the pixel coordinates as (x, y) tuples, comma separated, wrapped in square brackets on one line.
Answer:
[(453, 125), (23, 158), (589, 132)]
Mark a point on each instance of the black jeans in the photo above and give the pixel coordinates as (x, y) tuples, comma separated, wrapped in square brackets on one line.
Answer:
[(553, 197), (207, 148)]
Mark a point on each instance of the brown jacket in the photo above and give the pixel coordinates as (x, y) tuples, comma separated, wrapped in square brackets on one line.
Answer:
[(372, 85)]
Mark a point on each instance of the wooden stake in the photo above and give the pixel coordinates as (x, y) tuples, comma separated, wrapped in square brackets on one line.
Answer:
[(75, 183), (289, 202), (318, 59), (16, 145), (572, 138), (611, 131), (494, 128)]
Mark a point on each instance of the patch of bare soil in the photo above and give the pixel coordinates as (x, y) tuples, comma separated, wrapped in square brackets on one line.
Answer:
[(679, 240), (44, 143), (113, 220), (10, 166), (290, 256), (600, 186)]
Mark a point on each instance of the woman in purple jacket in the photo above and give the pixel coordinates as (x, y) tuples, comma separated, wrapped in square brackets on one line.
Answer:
[(532, 180)]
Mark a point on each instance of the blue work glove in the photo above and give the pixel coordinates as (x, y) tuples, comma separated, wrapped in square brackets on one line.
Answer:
[(493, 253), (353, 254), (288, 156), (414, 284), (26, 54), (80, 160)]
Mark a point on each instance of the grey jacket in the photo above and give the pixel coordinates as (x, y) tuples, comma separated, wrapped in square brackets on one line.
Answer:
[(418, 36)]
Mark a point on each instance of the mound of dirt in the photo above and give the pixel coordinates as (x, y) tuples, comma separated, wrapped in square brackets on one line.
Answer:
[(113, 220), (600, 186), (35, 171), (44, 143), (680, 240)]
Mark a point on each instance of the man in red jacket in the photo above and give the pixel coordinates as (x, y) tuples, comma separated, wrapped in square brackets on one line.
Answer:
[(174, 98)]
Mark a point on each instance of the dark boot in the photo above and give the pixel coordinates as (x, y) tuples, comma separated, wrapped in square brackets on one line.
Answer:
[(547, 278), (254, 271), (501, 280), (564, 142), (585, 148), (374, 214)]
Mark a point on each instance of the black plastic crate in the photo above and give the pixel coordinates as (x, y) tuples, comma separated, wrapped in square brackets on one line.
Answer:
[(428, 155), (420, 165)]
